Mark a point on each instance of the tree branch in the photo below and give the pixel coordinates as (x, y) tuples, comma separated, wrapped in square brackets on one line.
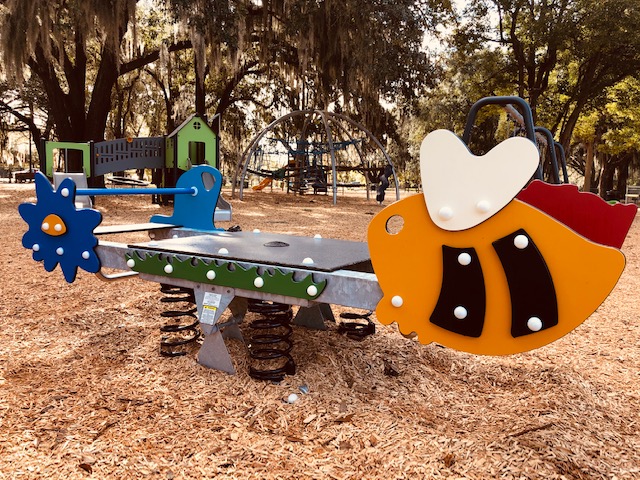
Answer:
[(151, 57)]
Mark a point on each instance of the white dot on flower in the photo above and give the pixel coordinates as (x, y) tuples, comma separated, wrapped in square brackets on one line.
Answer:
[(258, 282), (308, 261), (64, 192), (521, 241), (223, 251), (168, 268), (312, 290), (460, 312), (86, 255), (36, 247), (534, 324), (317, 236), (131, 263), (60, 251), (45, 226), (256, 230), (445, 213), (397, 301), (464, 259), (57, 227), (211, 275)]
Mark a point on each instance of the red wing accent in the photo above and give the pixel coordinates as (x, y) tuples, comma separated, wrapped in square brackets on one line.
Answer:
[(585, 213)]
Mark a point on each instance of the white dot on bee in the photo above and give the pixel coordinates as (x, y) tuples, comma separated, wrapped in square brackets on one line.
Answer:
[(57, 227), (483, 206), (60, 251), (445, 213), (64, 192), (168, 269), (397, 301), (45, 226), (464, 259), (460, 312), (521, 241), (86, 255), (534, 324)]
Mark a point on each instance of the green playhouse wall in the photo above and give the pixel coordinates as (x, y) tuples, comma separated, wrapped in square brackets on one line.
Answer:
[(196, 130)]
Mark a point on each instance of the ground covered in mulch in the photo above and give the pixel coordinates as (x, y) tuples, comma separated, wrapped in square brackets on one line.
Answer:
[(84, 392)]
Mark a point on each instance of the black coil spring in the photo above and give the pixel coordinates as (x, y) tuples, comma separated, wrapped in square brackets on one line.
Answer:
[(178, 334), (360, 328), (271, 344)]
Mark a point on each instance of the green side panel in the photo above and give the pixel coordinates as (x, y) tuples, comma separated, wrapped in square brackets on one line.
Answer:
[(83, 147), (226, 274)]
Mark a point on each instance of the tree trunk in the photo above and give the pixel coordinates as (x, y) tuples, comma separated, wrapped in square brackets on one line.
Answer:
[(201, 108), (606, 176), (623, 176), (588, 167)]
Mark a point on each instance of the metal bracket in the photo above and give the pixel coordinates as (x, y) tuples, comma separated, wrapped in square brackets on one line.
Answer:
[(115, 276), (211, 304), (314, 316)]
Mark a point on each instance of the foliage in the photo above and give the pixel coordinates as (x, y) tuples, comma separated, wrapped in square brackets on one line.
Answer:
[(565, 57), (97, 61), (560, 54)]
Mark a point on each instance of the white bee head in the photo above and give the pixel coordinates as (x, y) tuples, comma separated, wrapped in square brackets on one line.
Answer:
[(461, 189)]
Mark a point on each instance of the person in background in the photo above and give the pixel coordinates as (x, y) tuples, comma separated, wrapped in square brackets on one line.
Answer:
[(384, 176)]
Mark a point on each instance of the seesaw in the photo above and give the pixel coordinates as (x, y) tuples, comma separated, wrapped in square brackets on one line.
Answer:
[(479, 264)]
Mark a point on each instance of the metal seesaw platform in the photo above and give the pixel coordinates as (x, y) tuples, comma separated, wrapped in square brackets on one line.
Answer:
[(312, 273), (327, 254)]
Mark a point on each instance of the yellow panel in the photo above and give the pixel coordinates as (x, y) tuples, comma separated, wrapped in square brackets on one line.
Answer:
[(408, 264)]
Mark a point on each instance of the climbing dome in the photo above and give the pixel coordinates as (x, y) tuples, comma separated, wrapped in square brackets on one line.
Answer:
[(313, 151)]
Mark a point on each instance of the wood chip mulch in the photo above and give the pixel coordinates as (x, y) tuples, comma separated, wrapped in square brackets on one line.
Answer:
[(85, 394)]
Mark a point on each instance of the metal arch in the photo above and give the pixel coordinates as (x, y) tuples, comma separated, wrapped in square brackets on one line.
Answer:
[(325, 115), (358, 149), (252, 146), (333, 155), (375, 140)]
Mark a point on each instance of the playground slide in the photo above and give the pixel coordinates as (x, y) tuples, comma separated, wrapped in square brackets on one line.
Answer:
[(263, 183)]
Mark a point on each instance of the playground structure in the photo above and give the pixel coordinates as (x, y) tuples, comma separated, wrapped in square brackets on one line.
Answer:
[(328, 150), (192, 143), (479, 264)]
